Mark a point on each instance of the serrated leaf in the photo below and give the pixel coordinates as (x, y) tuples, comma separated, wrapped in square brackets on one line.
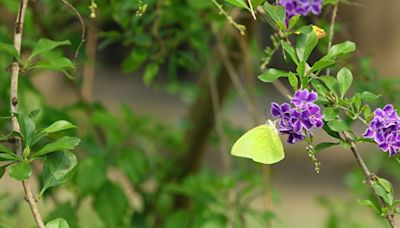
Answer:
[(45, 45), (64, 143), (272, 74), (261, 144), (9, 49), (344, 78), (57, 223), (277, 14), (20, 171), (338, 125), (58, 169)]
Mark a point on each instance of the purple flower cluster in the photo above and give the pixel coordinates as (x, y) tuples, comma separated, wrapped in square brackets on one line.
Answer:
[(384, 129), (302, 7), (299, 117)]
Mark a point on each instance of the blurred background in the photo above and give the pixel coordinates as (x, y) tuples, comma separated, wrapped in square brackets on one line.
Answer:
[(162, 89)]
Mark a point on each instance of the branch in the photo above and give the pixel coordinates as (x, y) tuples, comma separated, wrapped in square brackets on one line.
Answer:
[(15, 68), (368, 176)]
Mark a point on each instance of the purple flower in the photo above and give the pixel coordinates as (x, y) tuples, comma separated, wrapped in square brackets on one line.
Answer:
[(302, 7), (384, 129), (302, 116)]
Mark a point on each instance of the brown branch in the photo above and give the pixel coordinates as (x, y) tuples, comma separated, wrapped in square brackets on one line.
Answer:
[(369, 177), (15, 69)]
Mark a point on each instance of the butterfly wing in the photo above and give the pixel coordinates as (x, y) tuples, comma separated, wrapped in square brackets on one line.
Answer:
[(261, 144)]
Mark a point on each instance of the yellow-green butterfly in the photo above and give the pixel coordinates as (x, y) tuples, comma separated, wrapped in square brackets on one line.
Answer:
[(261, 144)]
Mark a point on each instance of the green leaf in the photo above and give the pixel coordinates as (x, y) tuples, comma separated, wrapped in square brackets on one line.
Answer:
[(290, 50), (293, 21), (306, 45), (368, 96), (386, 196), (277, 14), (45, 45), (111, 204), (321, 89), (272, 74), (330, 82), (27, 126), (57, 223), (385, 184), (338, 125), (58, 169), (300, 69), (322, 64), (150, 73), (57, 126), (261, 144), (4, 149), (9, 49), (370, 204), (357, 101), (344, 78), (330, 113), (366, 110), (341, 48), (239, 3), (20, 171), (256, 3), (61, 64), (90, 174), (8, 157), (67, 211), (293, 81), (134, 164), (330, 132), (323, 146), (64, 143)]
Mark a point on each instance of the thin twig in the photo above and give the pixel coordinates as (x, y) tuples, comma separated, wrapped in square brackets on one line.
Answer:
[(332, 30), (78, 15), (15, 68), (252, 10), (368, 176)]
